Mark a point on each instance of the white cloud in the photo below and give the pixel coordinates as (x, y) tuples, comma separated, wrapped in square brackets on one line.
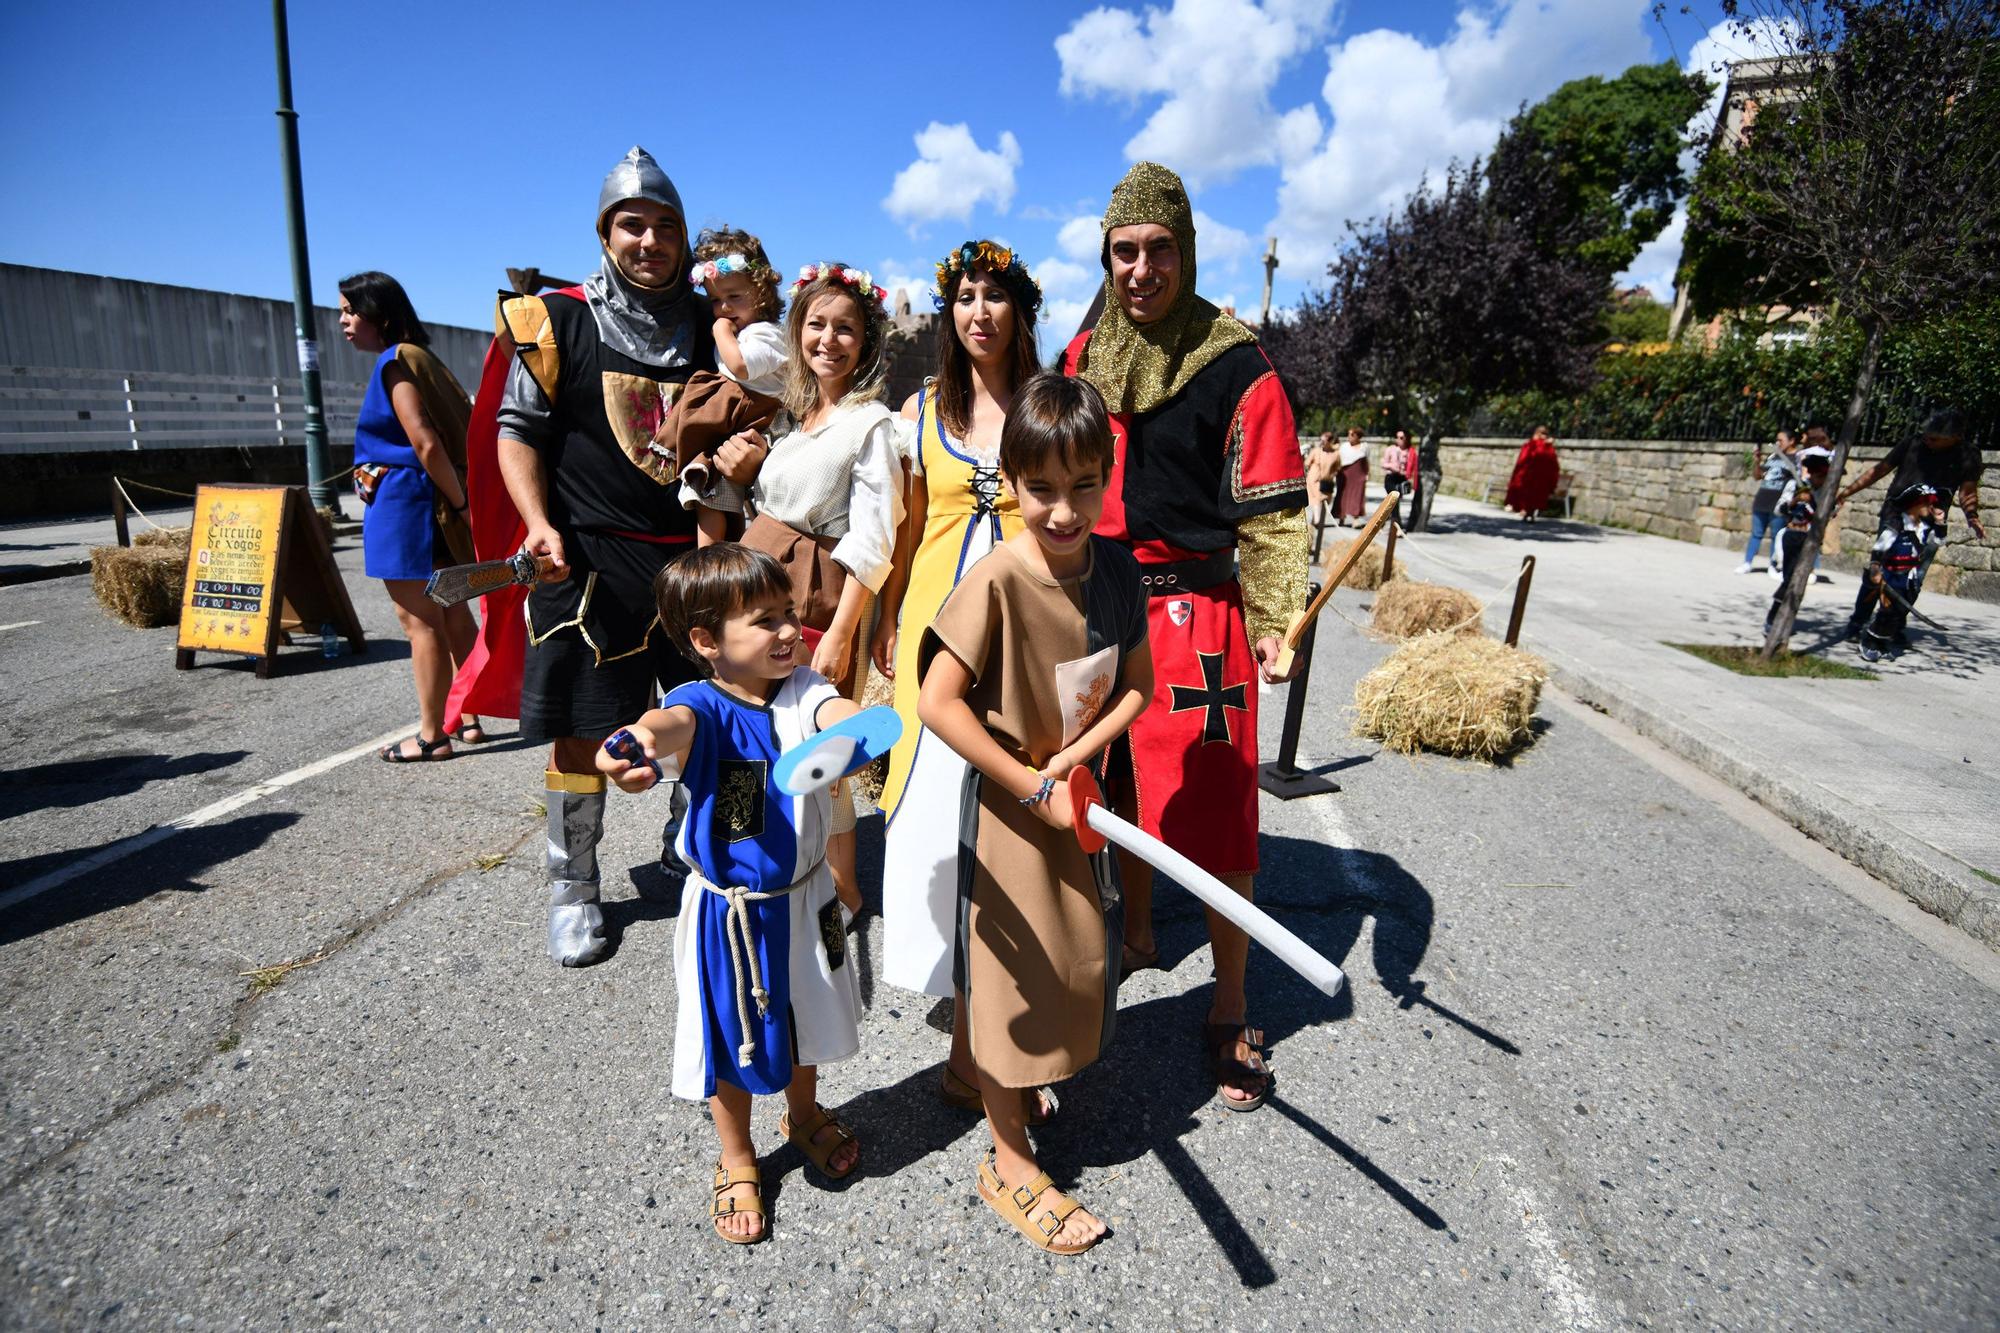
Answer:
[(1215, 63), (914, 279), (951, 175), (1068, 287), (1217, 244), (1082, 238), (1401, 107), (1653, 267)]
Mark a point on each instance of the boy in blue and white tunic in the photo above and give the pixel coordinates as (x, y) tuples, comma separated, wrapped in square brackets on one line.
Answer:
[(765, 988)]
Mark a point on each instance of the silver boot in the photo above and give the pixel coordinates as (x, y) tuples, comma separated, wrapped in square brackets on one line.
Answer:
[(576, 822)]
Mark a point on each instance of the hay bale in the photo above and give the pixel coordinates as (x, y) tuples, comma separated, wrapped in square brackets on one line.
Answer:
[(174, 539), (1405, 609), (1472, 697), (141, 585), (1367, 571)]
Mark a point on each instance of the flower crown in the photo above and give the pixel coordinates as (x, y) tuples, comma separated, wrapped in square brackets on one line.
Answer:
[(708, 270), (997, 260), (860, 280)]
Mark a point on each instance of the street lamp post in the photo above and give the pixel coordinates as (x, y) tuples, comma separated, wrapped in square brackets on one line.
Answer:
[(318, 461)]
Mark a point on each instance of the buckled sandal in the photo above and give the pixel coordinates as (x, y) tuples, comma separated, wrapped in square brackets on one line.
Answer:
[(426, 751), (1037, 1209), (801, 1137), (726, 1177), (1219, 1040), (955, 1092), (472, 733)]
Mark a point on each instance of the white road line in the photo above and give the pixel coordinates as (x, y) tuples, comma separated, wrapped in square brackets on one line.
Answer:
[(1573, 1305), (124, 847), (19, 624)]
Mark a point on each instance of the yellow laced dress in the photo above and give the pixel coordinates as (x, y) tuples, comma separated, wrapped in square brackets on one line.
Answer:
[(968, 513)]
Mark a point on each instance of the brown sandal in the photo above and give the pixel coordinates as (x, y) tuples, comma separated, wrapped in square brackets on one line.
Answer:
[(1037, 1209), (1219, 1040), (956, 1092), (801, 1137), (726, 1177)]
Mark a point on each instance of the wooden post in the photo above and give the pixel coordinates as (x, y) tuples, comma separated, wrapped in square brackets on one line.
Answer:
[(1520, 601), (119, 522), (1389, 553)]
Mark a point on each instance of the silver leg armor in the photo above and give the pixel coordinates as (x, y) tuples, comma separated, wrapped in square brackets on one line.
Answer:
[(576, 822)]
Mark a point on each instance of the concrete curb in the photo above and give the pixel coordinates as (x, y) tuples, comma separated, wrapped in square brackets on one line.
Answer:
[(1935, 880), (36, 573)]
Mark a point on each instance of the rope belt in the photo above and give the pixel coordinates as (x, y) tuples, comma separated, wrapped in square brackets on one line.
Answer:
[(736, 929)]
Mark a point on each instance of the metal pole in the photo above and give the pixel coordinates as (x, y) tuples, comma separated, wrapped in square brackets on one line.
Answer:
[(1284, 778), (1520, 601), (318, 461)]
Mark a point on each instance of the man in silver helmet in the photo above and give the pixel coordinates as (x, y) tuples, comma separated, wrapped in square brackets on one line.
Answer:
[(596, 369)]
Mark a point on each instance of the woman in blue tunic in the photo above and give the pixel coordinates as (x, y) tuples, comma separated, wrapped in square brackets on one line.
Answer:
[(409, 455)]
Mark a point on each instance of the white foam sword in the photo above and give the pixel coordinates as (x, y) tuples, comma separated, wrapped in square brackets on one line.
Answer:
[(1095, 825)]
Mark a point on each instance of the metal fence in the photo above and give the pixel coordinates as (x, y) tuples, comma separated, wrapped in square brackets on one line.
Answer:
[(89, 364)]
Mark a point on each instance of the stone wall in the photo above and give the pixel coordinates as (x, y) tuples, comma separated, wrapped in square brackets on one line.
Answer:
[(1700, 491)]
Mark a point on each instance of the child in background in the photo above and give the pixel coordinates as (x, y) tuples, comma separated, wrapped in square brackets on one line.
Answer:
[(1895, 566), (765, 990), (749, 386), (1038, 661), (1796, 508)]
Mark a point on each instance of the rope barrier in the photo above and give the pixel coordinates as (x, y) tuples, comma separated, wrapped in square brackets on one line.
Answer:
[(1403, 543), (120, 484)]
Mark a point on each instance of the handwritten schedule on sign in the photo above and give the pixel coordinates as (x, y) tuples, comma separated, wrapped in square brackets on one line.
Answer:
[(232, 569)]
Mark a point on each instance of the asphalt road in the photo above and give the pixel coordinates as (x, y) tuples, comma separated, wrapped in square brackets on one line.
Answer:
[(1669, 1065)]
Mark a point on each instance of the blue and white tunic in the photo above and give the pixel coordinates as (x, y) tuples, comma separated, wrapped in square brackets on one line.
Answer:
[(742, 832)]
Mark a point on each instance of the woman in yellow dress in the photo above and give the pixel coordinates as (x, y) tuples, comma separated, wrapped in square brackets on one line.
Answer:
[(957, 512)]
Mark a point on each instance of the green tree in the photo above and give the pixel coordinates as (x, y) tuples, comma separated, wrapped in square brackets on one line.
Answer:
[(1614, 147)]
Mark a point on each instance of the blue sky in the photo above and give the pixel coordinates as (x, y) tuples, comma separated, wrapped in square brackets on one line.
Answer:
[(443, 143)]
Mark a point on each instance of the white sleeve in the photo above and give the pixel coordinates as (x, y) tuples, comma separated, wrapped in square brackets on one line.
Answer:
[(909, 443), (814, 690), (874, 508), (762, 346)]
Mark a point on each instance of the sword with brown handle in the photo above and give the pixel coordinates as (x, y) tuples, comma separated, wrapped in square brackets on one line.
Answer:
[(462, 583), (1297, 630)]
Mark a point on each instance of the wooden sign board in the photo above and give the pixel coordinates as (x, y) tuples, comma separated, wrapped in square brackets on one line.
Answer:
[(259, 568)]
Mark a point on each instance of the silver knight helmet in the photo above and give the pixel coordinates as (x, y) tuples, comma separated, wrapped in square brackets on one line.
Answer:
[(637, 176)]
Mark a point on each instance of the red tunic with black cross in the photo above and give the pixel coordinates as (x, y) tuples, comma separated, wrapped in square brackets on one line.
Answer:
[(1221, 455)]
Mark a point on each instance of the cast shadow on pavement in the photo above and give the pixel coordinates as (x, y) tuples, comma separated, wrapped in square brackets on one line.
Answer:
[(302, 657), (176, 863), (1545, 531), (70, 783), (1964, 649), (1153, 1085)]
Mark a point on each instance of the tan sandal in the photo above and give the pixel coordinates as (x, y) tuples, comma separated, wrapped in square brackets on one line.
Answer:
[(956, 1092), (727, 1177), (801, 1137), (1037, 1209), (1220, 1040)]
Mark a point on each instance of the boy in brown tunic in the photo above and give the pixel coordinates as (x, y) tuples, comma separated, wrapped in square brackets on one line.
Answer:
[(1037, 662)]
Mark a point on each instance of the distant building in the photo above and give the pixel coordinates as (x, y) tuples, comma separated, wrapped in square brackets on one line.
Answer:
[(1751, 88)]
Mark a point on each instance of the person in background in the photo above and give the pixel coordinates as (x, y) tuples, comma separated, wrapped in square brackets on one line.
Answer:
[(1322, 472), (1399, 465), (1797, 508), (1353, 478), (1941, 458), (1536, 470), (409, 469), (1778, 471)]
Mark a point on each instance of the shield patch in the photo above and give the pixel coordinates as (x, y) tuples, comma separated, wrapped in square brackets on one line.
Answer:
[(1179, 610), (636, 406)]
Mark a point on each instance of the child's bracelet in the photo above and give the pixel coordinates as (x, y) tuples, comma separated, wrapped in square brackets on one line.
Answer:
[(1042, 793)]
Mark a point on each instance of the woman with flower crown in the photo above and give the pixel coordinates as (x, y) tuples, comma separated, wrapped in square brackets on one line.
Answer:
[(958, 511), (827, 501)]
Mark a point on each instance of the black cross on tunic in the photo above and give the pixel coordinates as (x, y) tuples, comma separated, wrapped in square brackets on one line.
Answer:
[(1214, 696)]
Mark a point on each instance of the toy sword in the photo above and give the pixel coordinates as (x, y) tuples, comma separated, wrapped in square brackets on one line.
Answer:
[(462, 583), (1904, 603), (1297, 631), (1096, 825)]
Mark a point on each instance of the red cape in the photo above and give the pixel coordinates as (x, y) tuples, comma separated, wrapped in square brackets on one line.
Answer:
[(489, 680), (1533, 482)]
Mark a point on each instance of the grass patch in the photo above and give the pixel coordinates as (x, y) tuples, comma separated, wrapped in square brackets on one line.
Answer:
[(491, 861), (230, 1041), (264, 979), (1990, 879), (1747, 662)]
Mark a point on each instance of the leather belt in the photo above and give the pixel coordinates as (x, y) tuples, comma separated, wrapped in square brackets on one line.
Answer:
[(1179, 576)]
